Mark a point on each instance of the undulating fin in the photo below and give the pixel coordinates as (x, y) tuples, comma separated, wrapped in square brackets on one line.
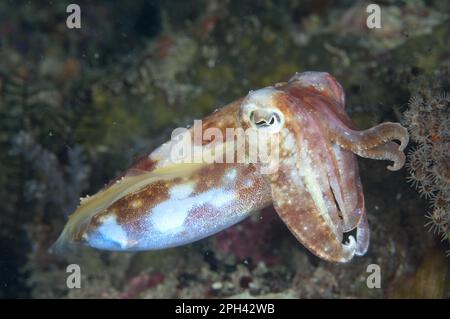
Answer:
[(127, 184)]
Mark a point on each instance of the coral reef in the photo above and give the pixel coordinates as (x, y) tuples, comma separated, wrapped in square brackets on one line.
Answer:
[(428, 120), (256, 231), (430, 280)]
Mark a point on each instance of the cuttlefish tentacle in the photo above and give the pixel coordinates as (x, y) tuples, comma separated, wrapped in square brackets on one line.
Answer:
[(362, 229), (330, 97), (343, 183), (350, 195), (358, 142), (304, 186), (388, 151), (302, 197), (317, 190), (324, 98)]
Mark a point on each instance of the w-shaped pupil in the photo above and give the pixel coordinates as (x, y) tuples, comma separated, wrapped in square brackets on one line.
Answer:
[(263, 122)]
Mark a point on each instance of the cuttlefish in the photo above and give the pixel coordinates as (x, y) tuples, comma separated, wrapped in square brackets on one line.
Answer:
[(316, 190)]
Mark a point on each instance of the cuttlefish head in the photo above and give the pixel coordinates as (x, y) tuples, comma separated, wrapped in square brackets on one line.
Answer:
[(316, 188), (300, 187)]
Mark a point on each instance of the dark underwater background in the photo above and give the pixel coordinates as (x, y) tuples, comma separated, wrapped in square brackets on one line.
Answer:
[(77, 106)]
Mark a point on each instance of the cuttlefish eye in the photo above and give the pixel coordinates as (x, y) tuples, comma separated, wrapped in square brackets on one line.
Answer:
[(259, 111), (265, 118)]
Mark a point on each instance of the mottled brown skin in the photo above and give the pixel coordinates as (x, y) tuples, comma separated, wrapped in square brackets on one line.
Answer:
[(127, 210), (128, 213)]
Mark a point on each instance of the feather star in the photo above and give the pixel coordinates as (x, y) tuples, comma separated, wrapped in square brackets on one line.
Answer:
[(316, 189)]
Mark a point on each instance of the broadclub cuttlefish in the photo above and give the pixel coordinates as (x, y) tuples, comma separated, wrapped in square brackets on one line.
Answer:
[(316, 188)]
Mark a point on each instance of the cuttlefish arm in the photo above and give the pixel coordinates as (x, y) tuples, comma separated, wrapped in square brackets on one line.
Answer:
[(316, 189), (343, 173)]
